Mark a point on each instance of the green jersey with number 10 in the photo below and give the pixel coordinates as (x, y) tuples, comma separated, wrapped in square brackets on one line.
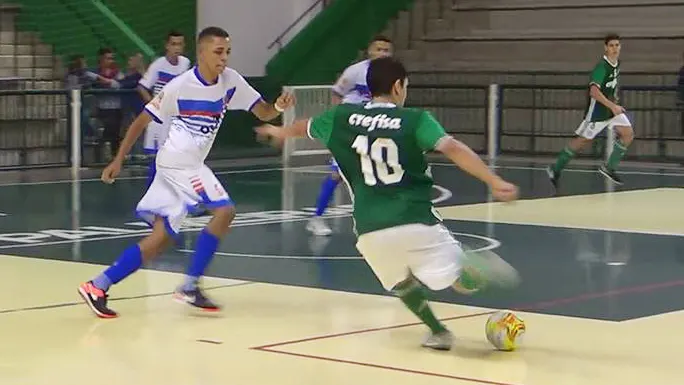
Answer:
[(380, 150)]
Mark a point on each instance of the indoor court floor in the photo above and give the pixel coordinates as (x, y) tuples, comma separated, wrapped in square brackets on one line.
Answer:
[(602, 272)]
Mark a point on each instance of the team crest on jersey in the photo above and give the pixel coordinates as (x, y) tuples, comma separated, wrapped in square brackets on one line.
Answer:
[(380, 121)]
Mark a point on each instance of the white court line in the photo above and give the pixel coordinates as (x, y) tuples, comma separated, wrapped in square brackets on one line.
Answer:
[(626, 172), (63, 181), (444, 194), (275, 256), (134, 234), (493, 244), (314, 170)]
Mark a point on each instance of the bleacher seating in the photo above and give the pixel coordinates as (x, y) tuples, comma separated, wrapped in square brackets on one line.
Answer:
[(546, 35), (33, 128)]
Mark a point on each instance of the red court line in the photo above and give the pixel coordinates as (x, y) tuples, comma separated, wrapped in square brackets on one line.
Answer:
[(392, 368), (537, 305), (327, 336), (609, 293)]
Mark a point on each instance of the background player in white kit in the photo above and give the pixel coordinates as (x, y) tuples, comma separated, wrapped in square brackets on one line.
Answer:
[(159, 74), (350, 88), (194, 105)]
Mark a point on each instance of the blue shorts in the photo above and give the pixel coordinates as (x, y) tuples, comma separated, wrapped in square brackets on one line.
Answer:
[(333, 165)]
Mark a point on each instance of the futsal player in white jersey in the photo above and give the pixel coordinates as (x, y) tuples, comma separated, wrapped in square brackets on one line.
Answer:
[(351, 88), (159, 74), (194, 104)]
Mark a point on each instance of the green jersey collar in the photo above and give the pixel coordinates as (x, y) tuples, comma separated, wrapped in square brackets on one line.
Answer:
[(609, 62)]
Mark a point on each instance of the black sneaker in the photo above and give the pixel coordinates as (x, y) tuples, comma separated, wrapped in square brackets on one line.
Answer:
[(96, 299), (195, 298), (610, 174), (553, 177)]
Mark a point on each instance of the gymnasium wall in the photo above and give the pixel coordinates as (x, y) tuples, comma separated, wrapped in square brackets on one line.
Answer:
[(332, 40), (253, 25), (152, 20)]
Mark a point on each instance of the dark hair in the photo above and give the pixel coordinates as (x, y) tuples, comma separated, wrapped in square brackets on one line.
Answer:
[(75, 62), (381, 38), (103, 51), (174, 33), (212, 32), (383, 73), (610, 37)]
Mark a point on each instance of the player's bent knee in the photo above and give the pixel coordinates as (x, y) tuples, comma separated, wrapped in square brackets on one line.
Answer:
[(155, 243), (335, 176), (626, 134), (223, 217)]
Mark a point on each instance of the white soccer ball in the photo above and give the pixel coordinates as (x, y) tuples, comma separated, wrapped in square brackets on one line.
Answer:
[(505, 330)]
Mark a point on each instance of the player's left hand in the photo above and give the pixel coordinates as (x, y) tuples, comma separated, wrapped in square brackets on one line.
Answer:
[(285, 101)]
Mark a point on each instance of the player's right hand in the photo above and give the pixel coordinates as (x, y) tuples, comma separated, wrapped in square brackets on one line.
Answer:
[(269, 134), (504, 191), (110, 172), (617, 109)]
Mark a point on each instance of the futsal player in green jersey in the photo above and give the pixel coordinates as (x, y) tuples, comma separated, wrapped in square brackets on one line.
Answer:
[(380, 149), (603, 111)]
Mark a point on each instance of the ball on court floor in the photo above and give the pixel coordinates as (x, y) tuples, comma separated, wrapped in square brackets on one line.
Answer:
[(505, 330)]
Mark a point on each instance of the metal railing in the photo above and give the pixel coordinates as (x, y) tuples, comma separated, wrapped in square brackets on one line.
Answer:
[(62, 128), (279, 40), (41, 128), (539, 119)]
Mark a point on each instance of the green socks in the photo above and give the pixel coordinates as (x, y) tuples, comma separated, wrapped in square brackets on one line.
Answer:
[(619, 151), (412, 295), (563, 159)]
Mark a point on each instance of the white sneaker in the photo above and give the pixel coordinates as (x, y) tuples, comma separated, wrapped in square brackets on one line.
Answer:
[(317, 226), (441, 341)]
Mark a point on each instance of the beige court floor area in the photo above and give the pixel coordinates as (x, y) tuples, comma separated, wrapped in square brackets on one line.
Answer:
[(649, 211), (275, 334)]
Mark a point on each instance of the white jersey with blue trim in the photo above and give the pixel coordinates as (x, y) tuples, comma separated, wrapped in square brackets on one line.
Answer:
[(352, 86), (195, 109), (161, 72)]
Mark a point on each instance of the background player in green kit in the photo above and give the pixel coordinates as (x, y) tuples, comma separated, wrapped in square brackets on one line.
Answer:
[(380, 149), (603, 111)]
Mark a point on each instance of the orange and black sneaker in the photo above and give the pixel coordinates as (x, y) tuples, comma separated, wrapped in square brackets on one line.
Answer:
[(195, 298), (96, 299)]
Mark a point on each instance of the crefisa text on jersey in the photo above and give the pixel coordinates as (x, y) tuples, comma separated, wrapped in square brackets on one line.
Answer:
[(381, 121)]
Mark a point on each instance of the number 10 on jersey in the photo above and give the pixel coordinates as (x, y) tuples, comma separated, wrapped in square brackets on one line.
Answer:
[(381, 158)]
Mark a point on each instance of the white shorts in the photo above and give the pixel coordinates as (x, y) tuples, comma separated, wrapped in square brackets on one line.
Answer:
[(430, 252), (155, 136), (174, 192), (589, 130)]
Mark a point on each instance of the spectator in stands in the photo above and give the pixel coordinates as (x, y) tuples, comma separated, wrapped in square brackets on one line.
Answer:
[(133, 104), (109, 106), (78, 77)]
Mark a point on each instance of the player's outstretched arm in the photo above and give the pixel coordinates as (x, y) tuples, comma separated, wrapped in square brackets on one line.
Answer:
[(278, 133), (267, 112), (467, 160), (132, 134)]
